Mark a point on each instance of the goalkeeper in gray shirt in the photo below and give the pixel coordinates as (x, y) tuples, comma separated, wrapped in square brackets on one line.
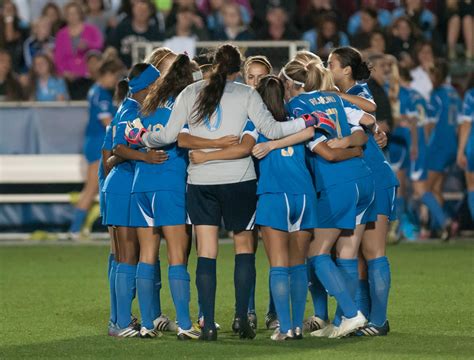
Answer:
[(221, 189)]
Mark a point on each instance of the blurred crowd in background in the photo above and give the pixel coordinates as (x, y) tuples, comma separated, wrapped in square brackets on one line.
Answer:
[(51, 50)]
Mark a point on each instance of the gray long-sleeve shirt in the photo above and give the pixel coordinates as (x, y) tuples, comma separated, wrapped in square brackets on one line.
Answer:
[(238, 104)]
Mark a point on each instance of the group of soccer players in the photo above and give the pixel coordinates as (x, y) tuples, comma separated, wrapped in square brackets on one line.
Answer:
[(297, 156)]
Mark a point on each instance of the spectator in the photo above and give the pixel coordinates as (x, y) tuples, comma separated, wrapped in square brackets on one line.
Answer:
[(171, 18), (234, 27), (97, 14), (12, 34), (309, 18), (260, 9), (369, 23), (402, 37), (377, 44), (384, 17), (326, 36), (141, 26), (376, 84), (40, 42), (43, 84), (277, 26), (421, 17), (10, 87), (72, 44), (424, 60), (460, 13), (52, 11), (186, 25), (214, 18)]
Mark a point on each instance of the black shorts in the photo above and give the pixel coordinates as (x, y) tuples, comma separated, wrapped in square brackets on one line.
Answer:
[(235, 203)]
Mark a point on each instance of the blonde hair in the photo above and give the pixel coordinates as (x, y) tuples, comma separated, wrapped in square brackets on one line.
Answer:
[(258, 59), (328, 79), (308, 76), (158, 55), (306, 56)]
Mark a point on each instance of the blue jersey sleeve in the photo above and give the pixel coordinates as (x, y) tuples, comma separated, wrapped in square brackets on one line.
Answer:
[(105, 106), (434, 109), (249, 129), (108, 142), (319, 137), (468, 107), (119, 138)]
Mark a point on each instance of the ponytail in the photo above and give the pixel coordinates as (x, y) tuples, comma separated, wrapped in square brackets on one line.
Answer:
[(348, 56), (309, 76), (314, 76), (227, 61)]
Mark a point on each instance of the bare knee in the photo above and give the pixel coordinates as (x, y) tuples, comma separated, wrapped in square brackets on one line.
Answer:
[(244, 242)]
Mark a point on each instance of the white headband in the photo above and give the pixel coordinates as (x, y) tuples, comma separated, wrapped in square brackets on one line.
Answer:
[(290, 79)]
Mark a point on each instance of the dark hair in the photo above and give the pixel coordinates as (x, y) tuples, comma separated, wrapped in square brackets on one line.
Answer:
[(348, 56), (370, 11), (14, 91), (111, 66), (417, 48), (33, 78), (321, 41), (227, 61), (86, 6), (440, 72), (176, 79), (205, 61), (272, 91), (404, 73), (122, 86)]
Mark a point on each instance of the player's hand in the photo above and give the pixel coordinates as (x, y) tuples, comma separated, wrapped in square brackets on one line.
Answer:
[(314, 118), (155, 156), (134, 132), (197, 156), (227, 141), (342, 143), (461, 160), (261, 150), (380, 138), (360, 151)]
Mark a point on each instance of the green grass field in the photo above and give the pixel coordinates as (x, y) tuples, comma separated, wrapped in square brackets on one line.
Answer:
[(54, 304)]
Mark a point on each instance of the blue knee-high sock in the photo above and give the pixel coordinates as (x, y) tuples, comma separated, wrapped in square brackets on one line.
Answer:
[(206, 285), (334, 283), (124, 290), (318, 293), (79, 216), (299, 291), (179, 279), (470, 202), (109, 264), (435, 209), (271, 303), (350, 273), (280, 284), (157, 290), (363, 297), (379, 283), (145, 291), (244, 272), (400, 206), (251, 309), (113, 297)]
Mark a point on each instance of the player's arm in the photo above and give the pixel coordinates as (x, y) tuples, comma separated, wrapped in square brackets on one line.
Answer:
[(150, 156), (364, 104), (106, 155), (242, 150), (106, 119), (188, 141), (464, 130), (261, 150), (412, 121), (320, 147), (357, 138)]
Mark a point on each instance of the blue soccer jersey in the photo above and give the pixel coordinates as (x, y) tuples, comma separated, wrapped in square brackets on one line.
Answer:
[(170, 175), (418, 169), (100, 107), (444, 108), (328, 173), (373, 155), (106, 145), (468, 116)]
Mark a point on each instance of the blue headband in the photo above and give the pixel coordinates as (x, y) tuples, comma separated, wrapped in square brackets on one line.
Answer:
[(144, 80)]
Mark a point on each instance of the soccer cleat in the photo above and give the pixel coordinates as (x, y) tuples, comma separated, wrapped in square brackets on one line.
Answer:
[(298, 333), (252, 320), (236, 325), (278, 336), (191, 334), (111, 328), (246, 331), (129, 332), (163, 323), (208, 335), (314, 323), (271, 321), (374, 330), (150, 334), (200, 323), (325, 331), (349, 325)]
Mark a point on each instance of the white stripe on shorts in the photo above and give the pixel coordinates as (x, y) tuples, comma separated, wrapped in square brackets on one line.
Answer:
[(251, 224)]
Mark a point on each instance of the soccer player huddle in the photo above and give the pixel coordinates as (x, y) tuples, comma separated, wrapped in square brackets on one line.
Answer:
[(296, 158)]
